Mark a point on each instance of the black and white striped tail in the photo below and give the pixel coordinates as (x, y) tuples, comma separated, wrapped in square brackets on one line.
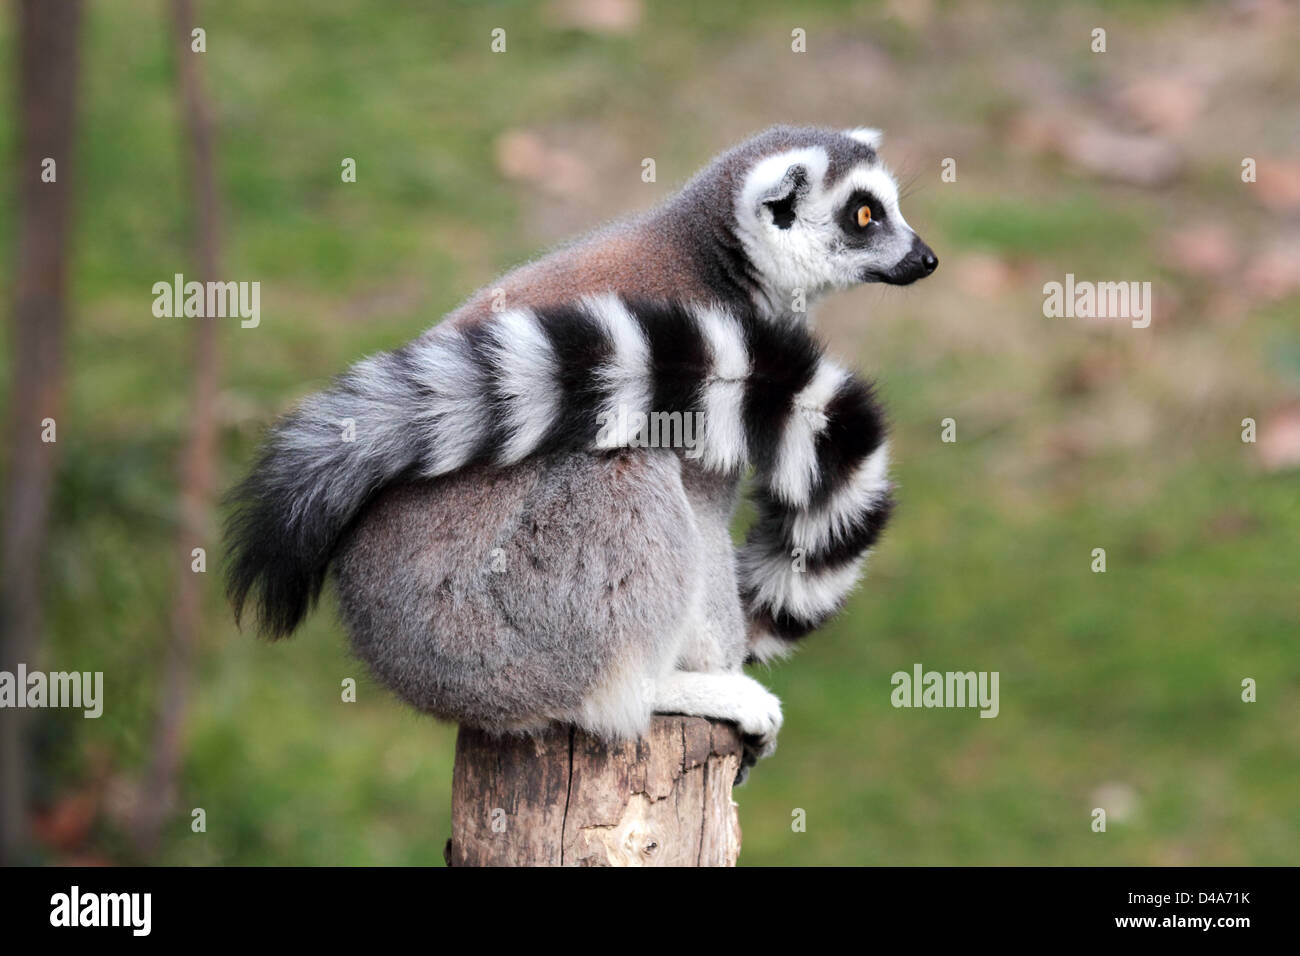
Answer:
[(530, 381)]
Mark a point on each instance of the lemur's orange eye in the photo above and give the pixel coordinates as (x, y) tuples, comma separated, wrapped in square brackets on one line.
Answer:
[(864, 216)]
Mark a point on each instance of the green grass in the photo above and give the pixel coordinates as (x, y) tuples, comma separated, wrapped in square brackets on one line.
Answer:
[(1129, 678)]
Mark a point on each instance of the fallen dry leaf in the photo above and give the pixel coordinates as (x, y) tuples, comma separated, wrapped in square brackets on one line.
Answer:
[(1277, 184), (1274, 272), (1096, 148), (1123, 157), (608, 17), (1119, 800), (1164, 102), (984, 276), (524, 156), (1201, 250), (1278, 441)]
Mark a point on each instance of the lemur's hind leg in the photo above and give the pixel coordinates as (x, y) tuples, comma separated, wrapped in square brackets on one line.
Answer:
[(583, 589), (555, 590)]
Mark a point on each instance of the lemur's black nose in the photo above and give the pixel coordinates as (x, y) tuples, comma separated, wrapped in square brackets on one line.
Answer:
[(919, 262), (924, 257)]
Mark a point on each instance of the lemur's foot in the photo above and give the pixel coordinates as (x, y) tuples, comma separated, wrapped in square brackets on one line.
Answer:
[(755, 710), (758, 745)]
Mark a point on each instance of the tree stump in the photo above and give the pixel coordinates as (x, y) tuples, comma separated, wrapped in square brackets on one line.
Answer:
[(567, 798)]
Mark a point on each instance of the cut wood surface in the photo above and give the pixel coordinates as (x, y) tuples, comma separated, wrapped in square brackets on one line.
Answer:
[(567, 798)]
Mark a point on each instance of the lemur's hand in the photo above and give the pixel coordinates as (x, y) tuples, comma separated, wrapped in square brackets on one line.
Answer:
[(755, 710), (759, 734)]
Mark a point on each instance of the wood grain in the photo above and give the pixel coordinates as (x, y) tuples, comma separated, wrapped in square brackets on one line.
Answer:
[(568, 798)]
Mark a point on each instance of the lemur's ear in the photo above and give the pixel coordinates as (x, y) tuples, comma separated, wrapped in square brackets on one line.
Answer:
[(866, 135), (782, 198)]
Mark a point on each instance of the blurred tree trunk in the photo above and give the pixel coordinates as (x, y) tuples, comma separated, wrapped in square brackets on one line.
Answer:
[(47, 77), (198, 457)]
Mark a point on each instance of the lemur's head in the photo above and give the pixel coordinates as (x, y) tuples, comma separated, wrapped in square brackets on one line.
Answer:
[(816, 210)]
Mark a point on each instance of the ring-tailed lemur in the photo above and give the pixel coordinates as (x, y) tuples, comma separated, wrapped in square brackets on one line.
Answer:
[(502, 562)]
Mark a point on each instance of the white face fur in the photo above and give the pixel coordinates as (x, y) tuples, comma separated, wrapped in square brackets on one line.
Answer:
[(804, 234)]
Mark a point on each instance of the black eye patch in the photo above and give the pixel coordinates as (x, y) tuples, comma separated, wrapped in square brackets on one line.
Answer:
[(848, 215)]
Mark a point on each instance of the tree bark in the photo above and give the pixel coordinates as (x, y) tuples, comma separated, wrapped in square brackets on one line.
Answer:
[(568, 798), (47, 78), (197, 469)]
